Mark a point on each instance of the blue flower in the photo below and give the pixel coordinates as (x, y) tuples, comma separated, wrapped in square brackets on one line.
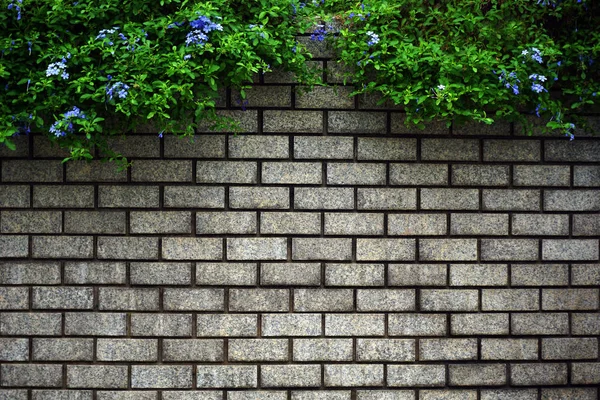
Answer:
[(121, 89), (321, 32), (205, 24), (63, 126), (536, 87), (187, 56), (58, 68), (373, 38), (195, 37)]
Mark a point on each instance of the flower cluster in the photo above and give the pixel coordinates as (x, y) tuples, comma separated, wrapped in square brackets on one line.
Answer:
[(104, 32), (536, 54), (535, 86), (510, 81), (119, 88), (16, 6), (65, 125), (373, 38), (59, 68), (201, 26), (321, 32)]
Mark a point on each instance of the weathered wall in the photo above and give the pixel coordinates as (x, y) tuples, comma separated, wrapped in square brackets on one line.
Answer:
[(329, 253)]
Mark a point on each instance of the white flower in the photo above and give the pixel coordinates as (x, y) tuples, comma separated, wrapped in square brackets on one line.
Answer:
[(524, 52), (441, 87)]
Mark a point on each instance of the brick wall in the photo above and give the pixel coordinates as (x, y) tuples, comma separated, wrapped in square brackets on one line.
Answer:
[(329, 253)]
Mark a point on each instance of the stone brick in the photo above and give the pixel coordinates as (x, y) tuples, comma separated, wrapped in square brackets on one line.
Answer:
[(161, 171), (191, 248), (449, 300), (194, 197), (29, 272), (248, 395), (353, 224), (385, 249), (31, 375), (539, 275), (290, 223), (356, 122), (387, 149), (224, 325), (13, 349), (223, 222), (16, 394), (42, 147), (14, 298), (14, 196), (190, 350), (511, 150), (160, 273), (400, 126), (284, 121), (385, 395), (450, 199), (480, 175), (354, 275), (571, 200), (354, 375), (570, 394), (540, 224), (257, 248), (509, 249), (95, 324), (135, 146), (448, 394), (62, 246), (227, 376), (163, 222), (63, 349), (247, 120), (585, 373), (510, 299), (354, 324), (246, 146), (511, 200), (290, 375), (323, 147), (541, 175), (586, 175), (268, 96), (477, 374), (94, 171), (141, 299), (448, 249), (259, 197), (22, 150), (417, 275), (583, 150), (479, 324), (447, 349), (259, 300), (31, 222), (129, 196), (236, 274), (102, 222), (61, 395), (356, 174), (540, 324), (200, 395), (479, 224), (94, 272), (291, 325), (161, 325), (583, 224), (450, 149), (323, 300), (385, 300), (417, 224), (569, 249), (194, 299), (509, 349), (62, 298), (321, 249), (320, 97), (419, 174), (32, 171), (322, 198), (292, 172), (61, 196), (509, 394), (478, 275), (129, 248), (386, 199), (585, 324), (161, 376), (585, 274), (322, 350), (97, 376), (385, 350), (198, 146), (137, 350), (226, 172), (538, 374), (258, 350), (417, 324), (416, 375), (127, 395), (569, 348), (570, 299)]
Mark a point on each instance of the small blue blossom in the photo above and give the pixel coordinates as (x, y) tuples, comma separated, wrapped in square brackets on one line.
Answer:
[(373, 38), (537, 88), (321, 32), (187, 56), (63, 126), (118, 88), (205, 24), (195, 37), (58, 68)]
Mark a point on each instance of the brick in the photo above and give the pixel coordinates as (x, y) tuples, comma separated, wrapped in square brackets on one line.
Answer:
[(385, 395), (290, 375), (448, 249), (448, 394), (585, 274), (268, 96), (386, 199), (161, 171), (31, 375), (583, 224), (356, 174), (450, 149), (197, 146), (227, 376), (354, 324), (291, 325), (42, 147), (538, 374), (586, 175), (130, 196), (163, 222), (94, 171), (257, 395), (569, 249), (127, 395), (511, 150), (323, 198), (247, 120), (129, 248), (63, 349), (540, 224), (353, 224), (29, 272), (479, 224), (268, 147), (509, 349), (194, 197), (417, 224), (198, 395), (62, 246), (223, 325), (323, 147), (417, 275), (541, 175), (13, 349), (16, 394), (539, 275), (61, 196), (583, 150), (226, 172), (416, 375), (480, 175), (417, 324), (259, 197), (585, 373), (479, 324), (136, 350), (257, 248), (259, 300), (194, 299), (140, 299), (387, 149), (135, 146), (385, 350), (478, 275), (161, 325), (22, 150), (191, 248), (31, 222), (586, 324), (32, 171), (510, 299), (571, 200), (447, 349), (385, 300), (290, 223), (61, 395), (570, 299), (569, 348), (449, 300), (236, 274), (225, 222), (99, 222), (160, 273), (356, 122), (403, 125), (14, 196), (326, 97), (258, 350), (354, 375), (511, 200), (95, 324), (292, 172), (321, 249), (323, 300), (161, 376), (570, 394), (322, 350), (477, 375), (14, 298), (97, 376), (284, 121), (450, 199), (94, 272), (318, 50), (509, 249), (62, 298), (540, 324), (385, 249), (354, 275), (418, 174)]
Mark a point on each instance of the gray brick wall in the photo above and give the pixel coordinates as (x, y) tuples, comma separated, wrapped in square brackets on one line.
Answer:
[(328, 252)]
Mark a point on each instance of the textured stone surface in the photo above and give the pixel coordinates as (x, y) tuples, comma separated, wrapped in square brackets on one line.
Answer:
[(417, 275), (323, 147), (283, 121), (386, 199), (416, 375), (194, 197), (450, 199), (385, 249), (192, 248), (290, 375), (292, 172), (479, 224), (324, 198), (323, 350), (290, 223), (417, 324), (509, 349), (320, 300), (419, 174), (387, 149), (355, 174)]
